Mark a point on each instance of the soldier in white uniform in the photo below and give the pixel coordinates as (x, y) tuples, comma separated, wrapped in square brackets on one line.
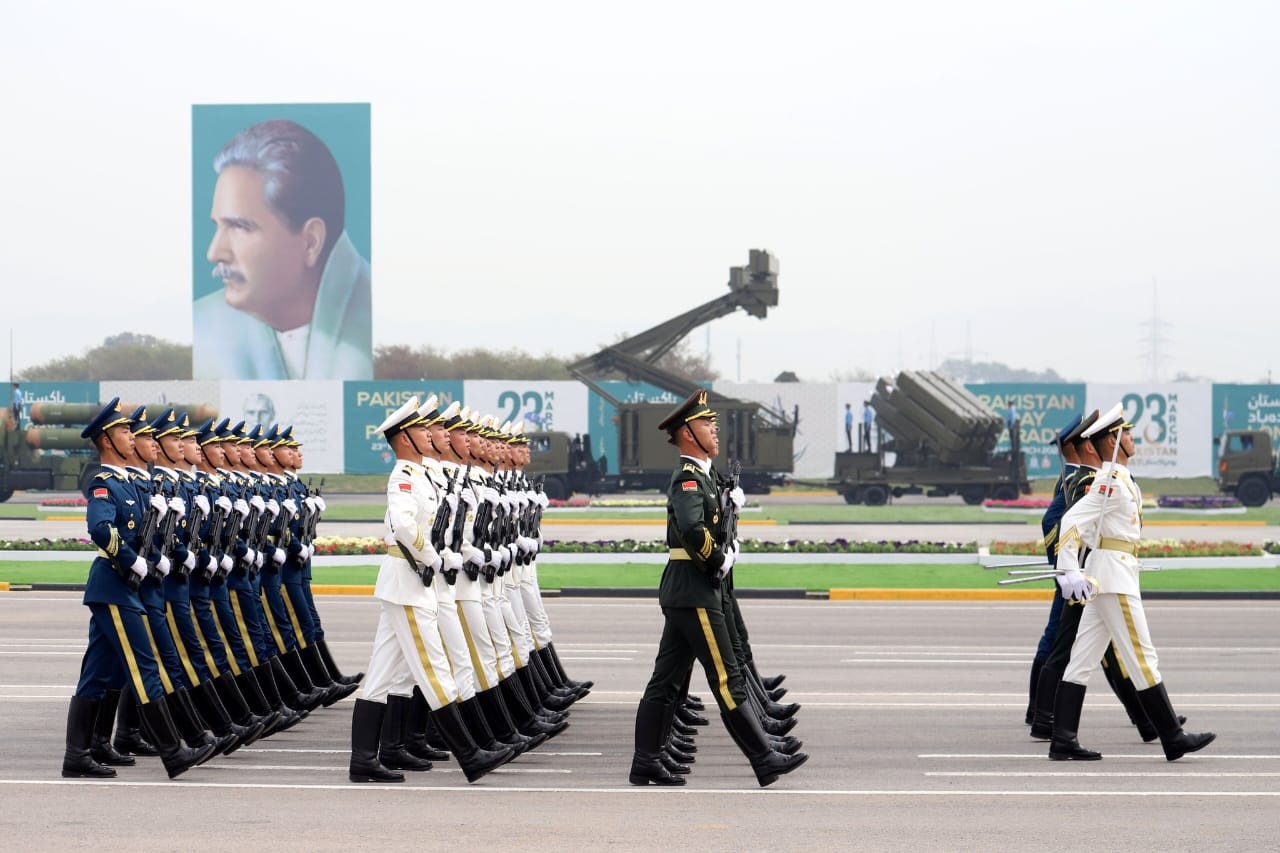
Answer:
[(1100, 535), (407, 648)]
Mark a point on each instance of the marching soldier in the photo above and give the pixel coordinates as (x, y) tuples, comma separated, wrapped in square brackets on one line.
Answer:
[(693, 607), (118, 641), (1101, 533), (407, 647)]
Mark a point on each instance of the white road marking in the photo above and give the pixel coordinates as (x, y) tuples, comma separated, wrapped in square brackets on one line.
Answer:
[(108, 786), (337, 768), (576, 658), (1043, 755), (1019, 662), (1103, 774), (252, 749)]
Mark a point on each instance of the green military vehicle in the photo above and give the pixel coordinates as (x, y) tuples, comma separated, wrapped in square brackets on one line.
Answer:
[(934, 438), (1247, 466), (50, 455), (761, 439)]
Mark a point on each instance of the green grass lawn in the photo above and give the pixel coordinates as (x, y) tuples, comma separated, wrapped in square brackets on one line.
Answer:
[(755, 575)]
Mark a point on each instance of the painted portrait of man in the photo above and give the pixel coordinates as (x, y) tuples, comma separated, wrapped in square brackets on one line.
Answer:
[(294, 294)]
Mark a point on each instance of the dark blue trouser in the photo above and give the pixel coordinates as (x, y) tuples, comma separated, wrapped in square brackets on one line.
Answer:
[(237, 647), (276, 614), (298, 605), (171, 671), (211, 638), (118, 644), (192, 653), (1051, 627)]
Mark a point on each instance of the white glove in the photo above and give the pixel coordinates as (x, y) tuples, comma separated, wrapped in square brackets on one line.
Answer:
[(277, 556), (203, 502), (224, 502), (290, 506), (490, 495), (257, 560), (473, 555), (251, 555), (452, 560), (225, 564), (190, 562), (727, 564), (310, 503), (159, 504), (737, 546), (469, 497), (525, 544), (179, 506), (320, 504), (1075, 586), (139, 567), (311, 550), (162, 566), (543, 500), (274, 508), (436, 563), (452, 501), (257, 503), (737, 497), (241, 507), (505, 551)]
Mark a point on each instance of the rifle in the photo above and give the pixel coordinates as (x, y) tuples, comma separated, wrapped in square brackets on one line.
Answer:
[(482, 535), (315, 516), (215, 537), (460, 517), (731, 511), (440, 525), (195, 519), (147, 535)]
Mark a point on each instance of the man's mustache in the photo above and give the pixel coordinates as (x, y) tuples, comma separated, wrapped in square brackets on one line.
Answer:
[(224, 272)]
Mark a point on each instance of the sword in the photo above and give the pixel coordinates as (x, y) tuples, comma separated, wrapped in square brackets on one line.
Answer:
[(1017, 565)]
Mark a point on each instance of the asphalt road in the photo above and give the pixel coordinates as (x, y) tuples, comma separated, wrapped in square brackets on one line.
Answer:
[(912, 715)]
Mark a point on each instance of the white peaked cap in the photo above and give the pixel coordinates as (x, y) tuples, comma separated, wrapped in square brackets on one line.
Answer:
[(428, 407), (1112, 418), (399, 416)]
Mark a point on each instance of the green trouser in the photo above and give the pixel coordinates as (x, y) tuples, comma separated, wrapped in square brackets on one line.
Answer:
[(696, 633)]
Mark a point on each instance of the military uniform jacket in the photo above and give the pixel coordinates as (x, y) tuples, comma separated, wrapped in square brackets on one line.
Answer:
[(114, 518), (411, 508), (1108, 519), (694, 533), (1053, 515), (437, 478)]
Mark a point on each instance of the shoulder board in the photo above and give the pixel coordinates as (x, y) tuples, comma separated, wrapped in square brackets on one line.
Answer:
[(407, 471), (106, 475), (691, 468)]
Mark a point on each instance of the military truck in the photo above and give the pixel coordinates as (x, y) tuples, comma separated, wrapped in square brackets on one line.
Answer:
[(50, 455), (934, 438), (759, 437), (1247, 466)]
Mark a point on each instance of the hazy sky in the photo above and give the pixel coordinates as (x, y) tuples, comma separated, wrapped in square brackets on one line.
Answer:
[(1003, 179)]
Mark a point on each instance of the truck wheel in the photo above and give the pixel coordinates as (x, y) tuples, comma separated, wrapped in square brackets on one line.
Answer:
[(875, 496), (5, 494), (1253, 492), (1005, 493), (974, 495), (852, 497), (554, 489)]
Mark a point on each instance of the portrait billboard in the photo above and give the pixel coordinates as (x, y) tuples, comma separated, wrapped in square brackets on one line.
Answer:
[(313, 409), (367, 404), (281, 238), (1042, 410)]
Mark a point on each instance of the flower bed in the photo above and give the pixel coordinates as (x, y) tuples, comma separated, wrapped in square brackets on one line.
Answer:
[(1017, 503), (1152, 548), (47, 545), (345, 545), (571, 502), (65, 502), (1198, 502)]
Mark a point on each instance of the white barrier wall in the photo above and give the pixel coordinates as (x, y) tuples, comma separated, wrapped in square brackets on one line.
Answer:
[(314, 408)]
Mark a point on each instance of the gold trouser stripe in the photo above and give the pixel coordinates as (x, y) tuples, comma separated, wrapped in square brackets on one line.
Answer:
[(471, 649), (222, 635), (422, 654), (1124, 546), (155, 650), (181, 646), (1135, 642), (1120, 662), (515, 653), (129, 659), (271, 621), (234, 595), (293, 619), (204, 644), (723, 676), (678, 554)]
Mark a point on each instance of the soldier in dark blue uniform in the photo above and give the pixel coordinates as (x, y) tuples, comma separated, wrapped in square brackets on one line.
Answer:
[(118, 641), (692, 603)]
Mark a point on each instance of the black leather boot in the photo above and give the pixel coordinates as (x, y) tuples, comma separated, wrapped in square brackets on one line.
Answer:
[(214, 713), (776, 694), (392, 752), (690, 717), (672, 764), (527, 723), (129, 739), (77, 761), (536, 697), (366, 735), (1066, 723), (1046, 697), (177, 758), (787, 744), (327, 657), (1128, 696), (502, 725), (556, 700), (478, 727), (100, 745), (674, 743), (474, 761), (744, 728), (693, 703), (771, 708), (320, 676), (646, 762), (190, 726), (228, 689), (263, 682), (417, 739), (1034, 683), (302, 694), (554, 657), (1175, 741)]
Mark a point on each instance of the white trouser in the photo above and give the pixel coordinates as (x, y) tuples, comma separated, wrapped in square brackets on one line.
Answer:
[(539, 624), (520, 633), (475, 631), (455, 646), (492, 607), (1118, 619), (407, 650)]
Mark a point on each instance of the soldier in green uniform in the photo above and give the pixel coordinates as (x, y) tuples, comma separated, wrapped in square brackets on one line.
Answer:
[(693, 606)]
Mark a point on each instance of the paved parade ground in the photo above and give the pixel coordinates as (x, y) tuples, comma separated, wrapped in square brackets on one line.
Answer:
[(912, 717)]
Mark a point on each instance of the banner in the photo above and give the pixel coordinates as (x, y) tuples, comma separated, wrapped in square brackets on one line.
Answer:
[(53, 392), (1042, 409), (1172, 425), (543, 406), (281, 232), (367, 404), (1245, 407), (815, 442), (314, 409)]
